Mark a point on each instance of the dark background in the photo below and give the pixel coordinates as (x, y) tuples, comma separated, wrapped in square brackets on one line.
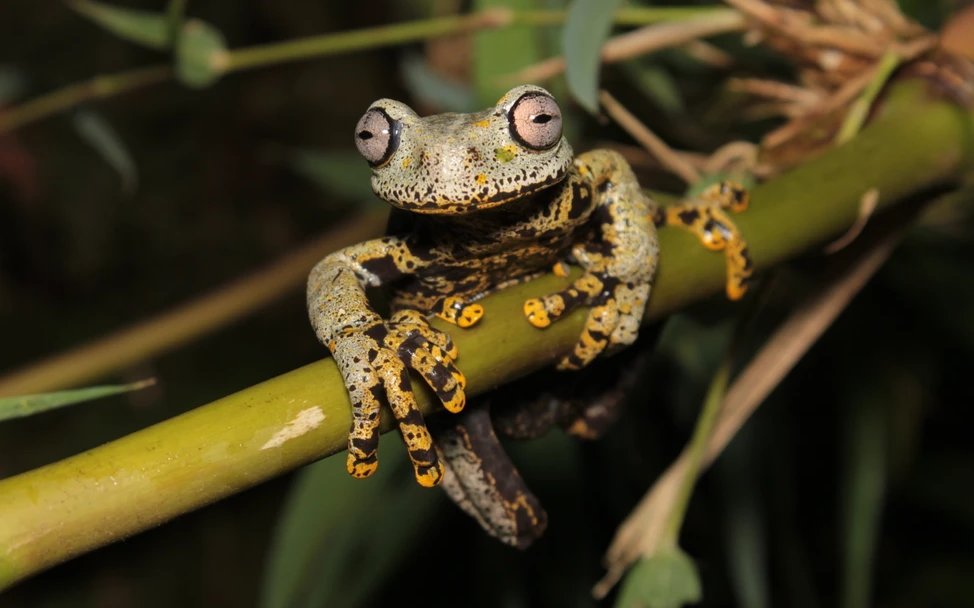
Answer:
[(221, 189)]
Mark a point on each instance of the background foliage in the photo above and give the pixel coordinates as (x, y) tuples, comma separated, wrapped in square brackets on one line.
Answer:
[(851, 486)]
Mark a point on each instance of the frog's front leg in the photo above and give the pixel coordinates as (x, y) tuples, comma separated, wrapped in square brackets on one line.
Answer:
[(707, 219), (374, 355), (619, 265)]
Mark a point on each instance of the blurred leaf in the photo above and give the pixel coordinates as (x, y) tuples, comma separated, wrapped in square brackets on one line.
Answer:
[(666, 580), (502, 51), (201, 54), (28, 405), (864, 487), (744, 521), (587, 27), (336, 172), (97, 133), (339, 537), (12, 83), (429, 87), (141, 27), (695, 347), (175, 11), (657, 84)]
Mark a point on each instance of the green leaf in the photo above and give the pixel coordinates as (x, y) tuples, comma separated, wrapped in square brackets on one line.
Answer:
[(141, 27), (28, 405), (96, 131), (431, 88), (587, 27), (175, 11), (657, 84), (201, 54), (864, 488), (502, 51), (12, 84), (331, 523), (669, 579)]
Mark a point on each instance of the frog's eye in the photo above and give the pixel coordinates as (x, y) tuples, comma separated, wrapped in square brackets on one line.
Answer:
[(377, 136), (535, 121)]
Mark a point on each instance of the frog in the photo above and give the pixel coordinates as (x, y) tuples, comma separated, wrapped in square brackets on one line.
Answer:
[(481, 201)]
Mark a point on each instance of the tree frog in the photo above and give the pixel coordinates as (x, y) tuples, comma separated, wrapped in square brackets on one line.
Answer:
[(482, 201)]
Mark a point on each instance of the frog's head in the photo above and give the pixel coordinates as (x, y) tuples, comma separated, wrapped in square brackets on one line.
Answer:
[(457, 163)]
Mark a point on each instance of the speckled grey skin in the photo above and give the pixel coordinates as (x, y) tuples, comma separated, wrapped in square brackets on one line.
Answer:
[(458, 163)]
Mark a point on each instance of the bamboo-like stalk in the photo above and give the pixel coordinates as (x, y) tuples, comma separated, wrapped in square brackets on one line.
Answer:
[(53, 513)]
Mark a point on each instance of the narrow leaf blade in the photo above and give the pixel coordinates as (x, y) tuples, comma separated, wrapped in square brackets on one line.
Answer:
[(141, 27), (28, 405), (587, 27), (330, 516), (100, 135)]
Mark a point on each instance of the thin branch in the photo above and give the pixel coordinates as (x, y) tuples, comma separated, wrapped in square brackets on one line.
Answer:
[(668, 157), (641, 42)]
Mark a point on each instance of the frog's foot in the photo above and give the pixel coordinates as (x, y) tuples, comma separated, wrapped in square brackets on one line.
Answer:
[(708, 220), (482, 480), (375, 362), (617, 309), (453, 309)]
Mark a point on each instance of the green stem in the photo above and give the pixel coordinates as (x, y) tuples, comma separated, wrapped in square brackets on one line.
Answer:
[(53, 513), (368, 38), (856, 117), (175, 11), (324, 45), (73, 95), (698, 445)]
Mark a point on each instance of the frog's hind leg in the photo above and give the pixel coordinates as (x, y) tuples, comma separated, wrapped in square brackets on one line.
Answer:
[(585, 405), (707, 218), (480, 478)]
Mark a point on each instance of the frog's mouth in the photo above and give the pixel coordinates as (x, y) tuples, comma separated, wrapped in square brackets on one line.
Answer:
[(444, 206), (456, 185)]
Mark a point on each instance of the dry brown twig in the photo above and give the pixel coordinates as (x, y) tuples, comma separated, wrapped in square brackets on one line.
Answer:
[(641, 533), (838, 46), (640, 42), (671, 159)]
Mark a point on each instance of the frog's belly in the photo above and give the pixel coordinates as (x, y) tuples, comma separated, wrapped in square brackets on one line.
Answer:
[(474, 278)]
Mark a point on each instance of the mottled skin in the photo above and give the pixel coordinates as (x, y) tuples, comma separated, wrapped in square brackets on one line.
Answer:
[(484, 200)]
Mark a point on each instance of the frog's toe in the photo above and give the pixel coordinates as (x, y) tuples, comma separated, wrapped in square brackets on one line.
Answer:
[(454, 309), (418, 325), (599, 326), (542, 312), (440, 374), (360, 468), (631, 302), (429, 476), (412, 427)]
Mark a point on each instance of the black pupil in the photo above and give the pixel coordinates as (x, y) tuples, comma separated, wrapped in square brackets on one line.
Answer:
[(541, 118), (365, 135)]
